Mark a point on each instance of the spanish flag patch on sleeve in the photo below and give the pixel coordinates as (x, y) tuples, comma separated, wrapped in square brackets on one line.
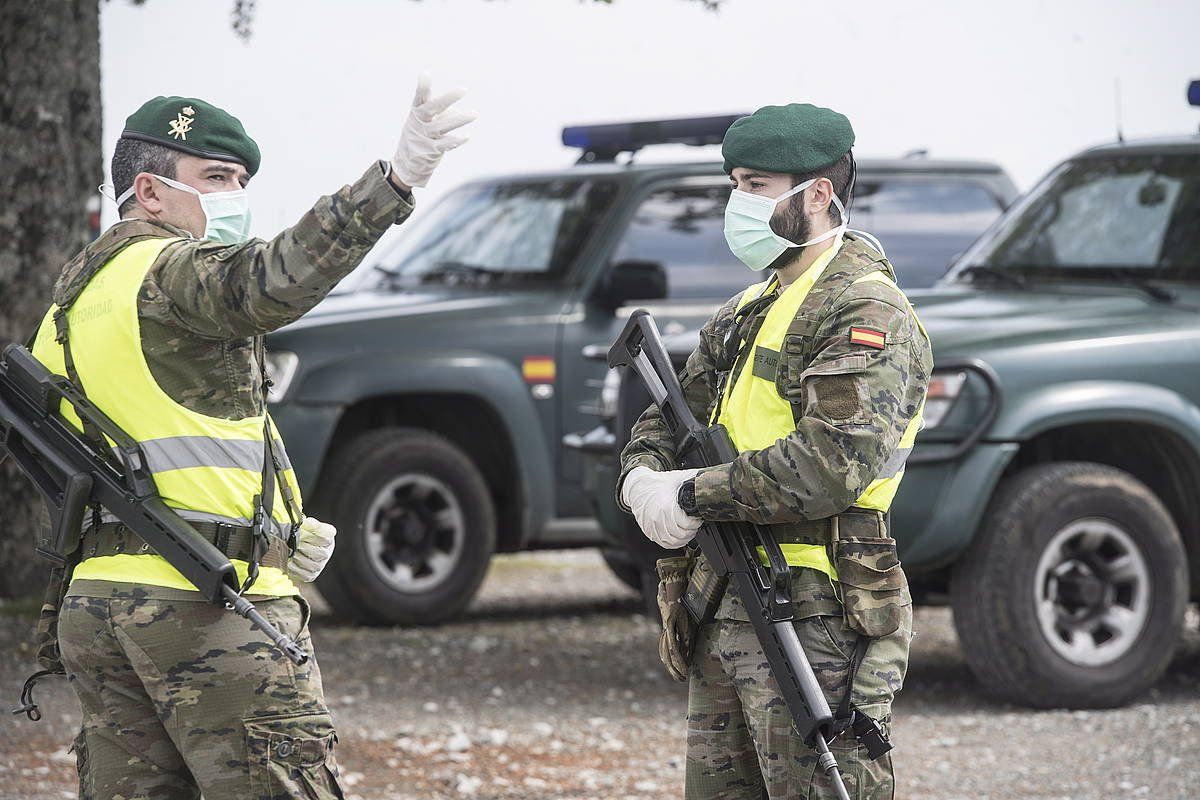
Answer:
[(868, 337)]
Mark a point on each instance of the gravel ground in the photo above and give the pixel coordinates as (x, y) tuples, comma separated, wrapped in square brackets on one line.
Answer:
[(550, 687)]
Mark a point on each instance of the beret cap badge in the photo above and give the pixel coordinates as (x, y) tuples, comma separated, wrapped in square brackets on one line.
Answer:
[(181, 125)]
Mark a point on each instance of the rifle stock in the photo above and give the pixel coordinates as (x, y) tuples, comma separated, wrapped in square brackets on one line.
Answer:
[(732, 548)]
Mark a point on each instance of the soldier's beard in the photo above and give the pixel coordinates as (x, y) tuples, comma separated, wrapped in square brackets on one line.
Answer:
[(792, 225)]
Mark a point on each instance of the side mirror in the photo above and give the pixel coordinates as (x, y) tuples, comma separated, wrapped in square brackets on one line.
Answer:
[(632, 280)]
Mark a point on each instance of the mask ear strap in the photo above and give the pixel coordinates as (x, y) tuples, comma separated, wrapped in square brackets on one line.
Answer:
[(800, 187), (125, 195)]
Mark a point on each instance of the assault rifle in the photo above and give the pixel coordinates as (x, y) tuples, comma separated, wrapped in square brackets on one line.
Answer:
[(732, 548), (72, 473)]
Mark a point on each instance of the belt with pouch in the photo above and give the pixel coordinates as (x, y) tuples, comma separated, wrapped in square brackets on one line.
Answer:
[(857, 522), (235, 541), (705, 588)]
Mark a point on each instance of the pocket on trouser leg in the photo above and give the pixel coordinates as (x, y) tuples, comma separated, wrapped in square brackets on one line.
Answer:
[(874, 590), (292, 756)]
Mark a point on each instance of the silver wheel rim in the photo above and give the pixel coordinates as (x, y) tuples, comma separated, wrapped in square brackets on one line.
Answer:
[(1092, 592), (415, 533)]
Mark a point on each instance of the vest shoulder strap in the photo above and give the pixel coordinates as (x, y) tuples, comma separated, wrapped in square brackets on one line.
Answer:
[(853, 262), (79, 272)]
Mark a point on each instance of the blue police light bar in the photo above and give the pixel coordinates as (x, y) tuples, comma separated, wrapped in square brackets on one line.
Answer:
[(604, 142), (1194, 93)]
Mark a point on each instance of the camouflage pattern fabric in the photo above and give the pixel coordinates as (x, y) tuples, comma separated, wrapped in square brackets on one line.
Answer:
[(874, 587), (677, 639), (182, 697), (45, 635), (740, 740), (855, 403), (199, 293)]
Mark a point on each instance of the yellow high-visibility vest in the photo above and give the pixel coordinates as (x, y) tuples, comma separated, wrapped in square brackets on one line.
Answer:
[(207, 468), (757, 416)]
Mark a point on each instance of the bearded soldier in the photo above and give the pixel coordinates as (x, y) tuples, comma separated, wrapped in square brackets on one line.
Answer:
[(819, 374), (160, 323)]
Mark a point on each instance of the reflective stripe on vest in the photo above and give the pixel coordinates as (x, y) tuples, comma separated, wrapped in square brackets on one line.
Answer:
[(205, 467), (185, 452), (756, 415)]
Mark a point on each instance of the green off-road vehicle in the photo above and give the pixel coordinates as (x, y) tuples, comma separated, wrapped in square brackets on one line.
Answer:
[(1054, 493), (425, 409)]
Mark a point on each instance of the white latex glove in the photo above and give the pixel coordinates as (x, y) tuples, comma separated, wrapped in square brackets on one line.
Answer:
[(653, 497), (425, 138), (314, 546)]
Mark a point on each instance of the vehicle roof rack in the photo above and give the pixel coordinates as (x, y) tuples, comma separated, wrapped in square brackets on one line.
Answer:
[(605, 142)]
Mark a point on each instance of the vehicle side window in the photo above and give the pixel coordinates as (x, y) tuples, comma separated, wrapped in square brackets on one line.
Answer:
[(922, 223), (683, 228)]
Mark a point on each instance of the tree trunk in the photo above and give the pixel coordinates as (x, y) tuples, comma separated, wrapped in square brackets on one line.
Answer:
[(50, 146)]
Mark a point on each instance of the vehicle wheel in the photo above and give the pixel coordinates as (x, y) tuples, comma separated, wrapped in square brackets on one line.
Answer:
[(636, 570), (416, 528), (1074, 591), (623, 566)]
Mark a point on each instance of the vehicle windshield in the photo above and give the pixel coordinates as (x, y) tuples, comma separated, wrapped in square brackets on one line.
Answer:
[(1096, 215), (497, 231)]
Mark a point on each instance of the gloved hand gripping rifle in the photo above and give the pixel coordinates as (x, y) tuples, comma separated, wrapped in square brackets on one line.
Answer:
[(732, 548), (70, 474)]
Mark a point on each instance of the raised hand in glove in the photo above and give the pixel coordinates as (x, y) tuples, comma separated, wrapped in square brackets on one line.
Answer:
[(653, 497), (425, 138), (314, 546)]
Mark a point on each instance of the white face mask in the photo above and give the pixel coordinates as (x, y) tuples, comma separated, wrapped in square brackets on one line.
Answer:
[(226, 214), (748, 227)]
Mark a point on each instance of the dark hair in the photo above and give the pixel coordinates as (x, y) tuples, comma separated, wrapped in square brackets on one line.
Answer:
[(133, 156), (841, 174)]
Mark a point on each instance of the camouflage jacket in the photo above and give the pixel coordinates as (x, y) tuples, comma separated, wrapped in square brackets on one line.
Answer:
[(203, 303), (850, 418)]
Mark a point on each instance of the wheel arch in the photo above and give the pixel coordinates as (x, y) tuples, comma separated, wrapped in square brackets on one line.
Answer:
[(1156, 454)]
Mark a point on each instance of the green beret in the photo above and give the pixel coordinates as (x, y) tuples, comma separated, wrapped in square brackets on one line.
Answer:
[(797, 138), (194, 127)]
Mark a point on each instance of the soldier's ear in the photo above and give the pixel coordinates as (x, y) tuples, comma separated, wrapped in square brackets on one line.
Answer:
[(819, 195), (147, 191)]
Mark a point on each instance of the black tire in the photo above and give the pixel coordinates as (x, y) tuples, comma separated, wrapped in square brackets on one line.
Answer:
[(637, 572), (407, 476), (622, 565), (1100, 539)]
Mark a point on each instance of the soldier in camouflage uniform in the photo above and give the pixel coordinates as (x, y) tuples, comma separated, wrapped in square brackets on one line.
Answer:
[(820, 375), (181, 697)]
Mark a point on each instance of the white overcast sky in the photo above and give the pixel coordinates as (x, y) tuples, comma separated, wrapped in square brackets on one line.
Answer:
[(324, 86)]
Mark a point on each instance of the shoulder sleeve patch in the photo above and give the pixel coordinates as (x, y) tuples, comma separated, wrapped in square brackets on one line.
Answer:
[(868, 337)]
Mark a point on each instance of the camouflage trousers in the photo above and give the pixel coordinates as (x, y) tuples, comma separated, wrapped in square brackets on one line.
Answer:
[(740, 741), (182, 698)]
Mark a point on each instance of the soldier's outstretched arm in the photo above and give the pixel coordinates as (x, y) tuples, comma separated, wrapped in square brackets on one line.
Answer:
[(651, 444), (857, 396), (221, 291), (237, 291)]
